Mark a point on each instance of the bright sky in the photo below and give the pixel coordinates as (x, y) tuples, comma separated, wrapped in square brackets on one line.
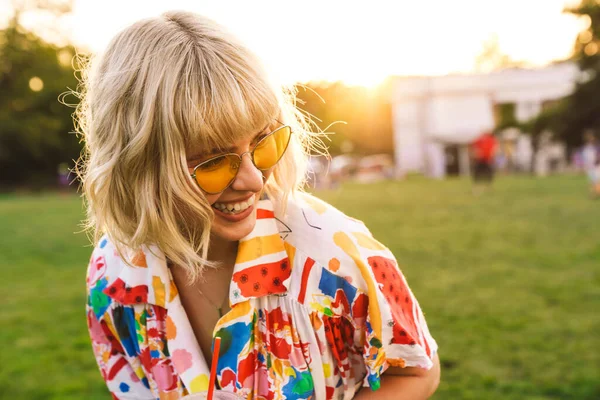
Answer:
[(360, 42)]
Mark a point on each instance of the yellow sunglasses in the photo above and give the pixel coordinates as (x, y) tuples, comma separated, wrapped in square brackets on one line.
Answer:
[(216, 174)]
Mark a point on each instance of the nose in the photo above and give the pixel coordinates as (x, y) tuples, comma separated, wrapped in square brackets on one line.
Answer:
[(249, 178)]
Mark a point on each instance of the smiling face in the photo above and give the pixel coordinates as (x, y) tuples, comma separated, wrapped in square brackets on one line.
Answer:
[(235, 207)]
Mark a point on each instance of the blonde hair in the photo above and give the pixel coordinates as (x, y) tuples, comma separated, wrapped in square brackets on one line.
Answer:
[(163, 86)]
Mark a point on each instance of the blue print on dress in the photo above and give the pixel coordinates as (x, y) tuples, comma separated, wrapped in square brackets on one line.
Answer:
[(233, 339), (300, 386), (330, 283), (124, 319)]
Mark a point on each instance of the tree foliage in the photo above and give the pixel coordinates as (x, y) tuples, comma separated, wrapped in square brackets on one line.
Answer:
[(492, 58), (35, 128), (581, 110)]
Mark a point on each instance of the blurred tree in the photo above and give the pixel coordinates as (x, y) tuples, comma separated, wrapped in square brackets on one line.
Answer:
[(581, 110), (505, 116), (360, 117), (492, 58), (34, 125)]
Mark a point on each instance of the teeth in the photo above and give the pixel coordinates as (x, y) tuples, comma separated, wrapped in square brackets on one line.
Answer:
[(234, 208)]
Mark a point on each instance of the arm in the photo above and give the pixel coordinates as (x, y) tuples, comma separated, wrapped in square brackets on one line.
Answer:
[(410, 383), (117, 372), (123, 380), (394, 327)]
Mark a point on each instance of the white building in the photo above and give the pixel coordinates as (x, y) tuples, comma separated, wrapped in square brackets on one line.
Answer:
[(432, 113)]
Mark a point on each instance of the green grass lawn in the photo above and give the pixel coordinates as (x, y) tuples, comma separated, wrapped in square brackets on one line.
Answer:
[(509, 283)]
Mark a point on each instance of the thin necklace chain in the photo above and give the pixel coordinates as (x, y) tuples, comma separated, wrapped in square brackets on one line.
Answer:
[(218, 308)]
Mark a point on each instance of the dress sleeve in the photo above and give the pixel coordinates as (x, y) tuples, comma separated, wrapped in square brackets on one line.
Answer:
[(395, 330), (122, 380)]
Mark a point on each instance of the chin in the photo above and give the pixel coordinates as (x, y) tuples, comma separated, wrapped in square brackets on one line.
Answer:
[(233, 231)]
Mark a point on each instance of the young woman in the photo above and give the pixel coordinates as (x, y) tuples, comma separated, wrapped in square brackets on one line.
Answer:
[(193, 166)]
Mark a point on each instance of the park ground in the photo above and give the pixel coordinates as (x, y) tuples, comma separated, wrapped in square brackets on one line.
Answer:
[(509, 282)]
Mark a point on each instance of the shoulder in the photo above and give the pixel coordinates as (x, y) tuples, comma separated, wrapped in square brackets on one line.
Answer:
[(314, 226), (331, 250), (105, 264), (104, 268), (112, 278), (128, 277), (304, 208)]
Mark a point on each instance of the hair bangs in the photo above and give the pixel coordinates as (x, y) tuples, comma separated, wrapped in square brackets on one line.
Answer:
[(220, 107)]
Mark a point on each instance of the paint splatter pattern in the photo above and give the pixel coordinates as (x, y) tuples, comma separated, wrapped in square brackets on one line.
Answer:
[(318, 309)]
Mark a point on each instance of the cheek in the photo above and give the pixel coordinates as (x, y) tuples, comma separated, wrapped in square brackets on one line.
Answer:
[(212, 198), (267, 173)]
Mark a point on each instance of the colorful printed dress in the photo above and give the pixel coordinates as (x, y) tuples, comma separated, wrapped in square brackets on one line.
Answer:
[(318, 309)]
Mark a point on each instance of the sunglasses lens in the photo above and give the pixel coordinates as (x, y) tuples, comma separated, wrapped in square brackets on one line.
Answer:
[(270, 149), (216, 174)]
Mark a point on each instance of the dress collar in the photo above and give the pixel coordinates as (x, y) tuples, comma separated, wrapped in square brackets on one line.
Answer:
[(261, 268)]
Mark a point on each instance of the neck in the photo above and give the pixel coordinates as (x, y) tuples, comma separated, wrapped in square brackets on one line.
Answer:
[(222, 251)]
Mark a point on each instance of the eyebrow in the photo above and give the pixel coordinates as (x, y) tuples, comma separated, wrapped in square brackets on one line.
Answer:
[(215, 150)]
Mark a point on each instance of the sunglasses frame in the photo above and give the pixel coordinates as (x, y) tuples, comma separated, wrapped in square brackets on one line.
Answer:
[(239, 156)]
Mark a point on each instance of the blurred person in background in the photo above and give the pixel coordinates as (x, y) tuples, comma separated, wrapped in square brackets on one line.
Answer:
[(318, 177), (193, 173), (483, 154), (591, 162), (64, 177)]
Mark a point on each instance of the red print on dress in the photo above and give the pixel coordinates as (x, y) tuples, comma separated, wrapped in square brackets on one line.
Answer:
[(396, 292), (263, 279), (127, 294), (96, 270)]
